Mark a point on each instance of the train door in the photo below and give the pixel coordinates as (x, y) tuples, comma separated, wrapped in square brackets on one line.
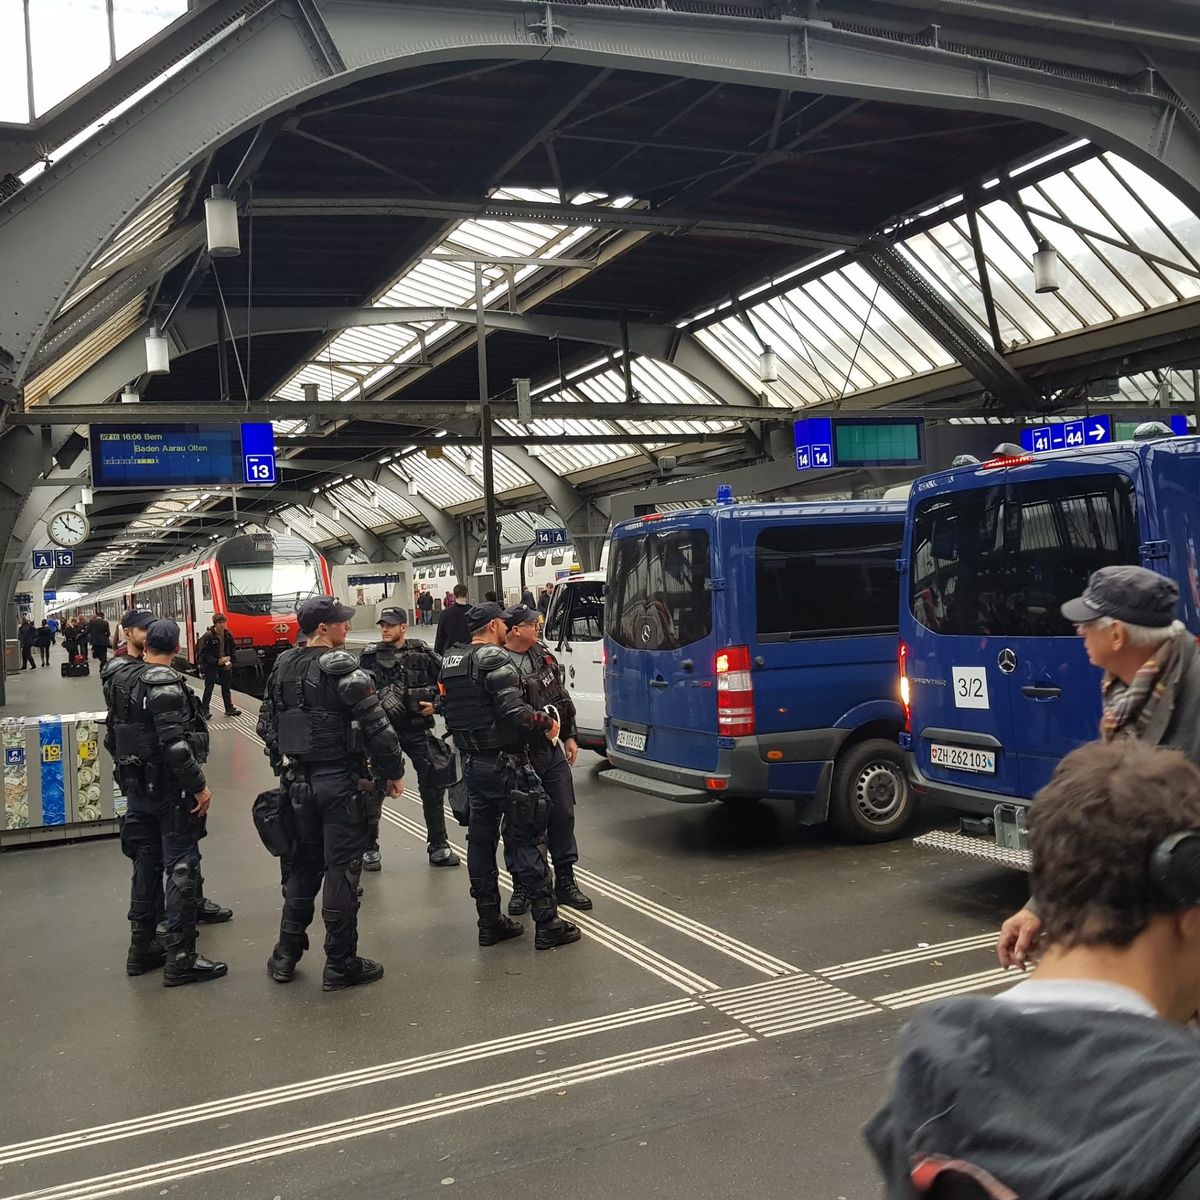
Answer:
[(189, 612)]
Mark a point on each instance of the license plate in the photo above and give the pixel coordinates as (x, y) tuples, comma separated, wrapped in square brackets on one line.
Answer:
[(628, 740), (960, 758)]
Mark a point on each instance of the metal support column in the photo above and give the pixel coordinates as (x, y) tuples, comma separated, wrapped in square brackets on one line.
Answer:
[(485, 417), (985, 284)]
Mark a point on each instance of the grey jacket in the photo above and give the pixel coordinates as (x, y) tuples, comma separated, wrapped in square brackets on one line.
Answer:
[(1062, 1104), (1183, 729)]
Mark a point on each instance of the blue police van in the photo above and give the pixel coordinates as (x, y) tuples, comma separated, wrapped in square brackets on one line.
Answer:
[(997, 684), (750, 651)]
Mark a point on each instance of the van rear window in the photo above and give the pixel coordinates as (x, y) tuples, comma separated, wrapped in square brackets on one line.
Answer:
[(1002, 560), (817, 580), (658, 595)]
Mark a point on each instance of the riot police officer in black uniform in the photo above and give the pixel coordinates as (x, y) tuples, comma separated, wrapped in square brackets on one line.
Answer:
[(135, 624), (321, 720), (542, 682), (406, 675), (160, 741), (486, 712)]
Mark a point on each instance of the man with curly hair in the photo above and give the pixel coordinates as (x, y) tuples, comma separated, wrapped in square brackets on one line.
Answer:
[(1080, 1082)]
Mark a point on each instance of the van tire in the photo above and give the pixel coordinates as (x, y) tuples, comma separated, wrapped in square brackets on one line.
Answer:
[(871, 799)]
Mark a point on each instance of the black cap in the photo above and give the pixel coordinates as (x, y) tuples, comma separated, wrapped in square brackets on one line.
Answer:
[(520, 614), (137, 618), (393, 616), (478, 615), (163, 635), (319, 610), (1131, 594)]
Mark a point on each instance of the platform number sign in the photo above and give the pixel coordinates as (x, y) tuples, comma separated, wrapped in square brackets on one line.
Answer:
[(550, 537), (43, 560), (1067, 435), (258, 453)]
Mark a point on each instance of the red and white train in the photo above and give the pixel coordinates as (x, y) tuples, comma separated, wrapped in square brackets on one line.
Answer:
[(257, 580)]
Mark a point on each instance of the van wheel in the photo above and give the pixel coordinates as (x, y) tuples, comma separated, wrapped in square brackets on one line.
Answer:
[(871, 799)]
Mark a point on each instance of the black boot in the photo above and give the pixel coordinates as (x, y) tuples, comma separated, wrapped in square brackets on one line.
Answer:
[(183, 964), (209, 912), (351, 973), (567, 892), (290, 948), (146, 952), (494, 927), (552, 930), (519, 901)]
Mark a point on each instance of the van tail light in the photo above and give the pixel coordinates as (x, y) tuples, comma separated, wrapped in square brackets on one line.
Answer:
[(735, 692), (604, 656), (905, 690)]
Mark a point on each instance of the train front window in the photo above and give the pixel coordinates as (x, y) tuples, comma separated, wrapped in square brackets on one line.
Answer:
[(278, 586)]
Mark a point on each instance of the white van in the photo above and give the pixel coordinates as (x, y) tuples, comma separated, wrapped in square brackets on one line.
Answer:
[(575, 632)]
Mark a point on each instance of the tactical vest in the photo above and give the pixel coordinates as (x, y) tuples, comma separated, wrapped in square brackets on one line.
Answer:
[(133, 740), (135, 736), (541, 677), (467, 707), (312, 726)]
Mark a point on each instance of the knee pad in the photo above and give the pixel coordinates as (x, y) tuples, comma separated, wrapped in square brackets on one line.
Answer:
[(183, 876)]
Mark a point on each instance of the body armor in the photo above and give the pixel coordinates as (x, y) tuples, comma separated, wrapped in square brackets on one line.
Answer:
[(543, 683), (157, 724), (405, 677), (483, 704), (319, 707), (123, 725)]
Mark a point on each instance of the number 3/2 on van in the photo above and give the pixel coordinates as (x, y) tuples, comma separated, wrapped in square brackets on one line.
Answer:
[(751, 652)]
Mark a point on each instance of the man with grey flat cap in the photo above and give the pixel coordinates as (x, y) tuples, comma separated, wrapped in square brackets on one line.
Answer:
[(321, 721), (406, 676), (1150, 689), (542, 682), (490, 719)]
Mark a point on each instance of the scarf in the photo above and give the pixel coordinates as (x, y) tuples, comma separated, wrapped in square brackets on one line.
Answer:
[(1141, 710)]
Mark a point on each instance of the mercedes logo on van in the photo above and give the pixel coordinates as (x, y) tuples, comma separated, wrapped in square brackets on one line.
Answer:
[(646, 633), (1007, 661)]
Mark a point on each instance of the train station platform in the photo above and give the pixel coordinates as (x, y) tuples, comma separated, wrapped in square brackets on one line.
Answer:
[(719, 998)]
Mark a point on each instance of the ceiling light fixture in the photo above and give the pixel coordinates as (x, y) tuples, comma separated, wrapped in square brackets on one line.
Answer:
[(158, 353), (129, 396), (221, 224), (768, 366), (1045, 267)]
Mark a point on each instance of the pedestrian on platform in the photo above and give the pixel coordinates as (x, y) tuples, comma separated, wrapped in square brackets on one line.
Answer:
[(43, 639), (425, 606), (160, 743), (543, 603), (99, 637), (27, 640), (321, 721), (452, 628), (216, 653), (1150, 688), (490, 720), (405, 673), (544, 687), (1081, 1081)]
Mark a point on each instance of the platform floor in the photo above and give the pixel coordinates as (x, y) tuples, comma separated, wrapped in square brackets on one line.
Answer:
[(723, 1029)]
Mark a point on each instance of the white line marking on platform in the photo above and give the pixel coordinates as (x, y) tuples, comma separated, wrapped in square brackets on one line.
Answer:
[(787, 1005), (308, 1089), (650, 960), (333, 1132), (900, 958), (995, 977)]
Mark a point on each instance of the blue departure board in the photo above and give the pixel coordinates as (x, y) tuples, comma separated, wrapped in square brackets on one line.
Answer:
[(174, 456)]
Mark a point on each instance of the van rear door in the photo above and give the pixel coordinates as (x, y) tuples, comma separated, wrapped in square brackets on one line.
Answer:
[(1001, 685), (661, 641), (574, 631), (962, 719), (1064, 520)]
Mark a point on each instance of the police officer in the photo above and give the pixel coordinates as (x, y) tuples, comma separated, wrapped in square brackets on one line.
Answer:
[(405, 674), (320, 720), (486, 712), (135, 623), (542, 683), (159, 743)]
